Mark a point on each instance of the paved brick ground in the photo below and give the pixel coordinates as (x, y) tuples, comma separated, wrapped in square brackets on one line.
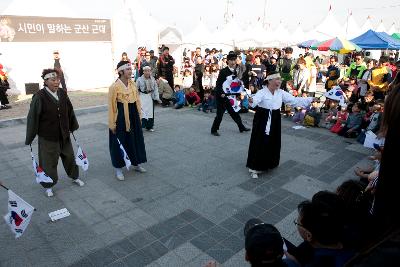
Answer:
[(188, 208)]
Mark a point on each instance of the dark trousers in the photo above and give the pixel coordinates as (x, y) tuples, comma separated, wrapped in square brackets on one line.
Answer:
[(148, 123), (222, 105), (170, 79), (50, 152)]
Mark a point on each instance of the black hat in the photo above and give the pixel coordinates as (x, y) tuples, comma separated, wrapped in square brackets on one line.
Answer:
[(263, 242), (151, 52), (232, 56)]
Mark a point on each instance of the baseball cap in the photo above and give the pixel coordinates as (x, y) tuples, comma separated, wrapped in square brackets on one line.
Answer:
[(263, 242)]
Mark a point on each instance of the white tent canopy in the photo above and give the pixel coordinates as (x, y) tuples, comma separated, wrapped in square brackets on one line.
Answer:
[(352, 29), (392, 29), (199, 36), (381, 27), (367, 25), (280, 36), (297, 36), (328, 28)]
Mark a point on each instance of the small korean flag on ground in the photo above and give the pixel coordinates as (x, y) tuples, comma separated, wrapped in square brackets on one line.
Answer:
[(81, 159), (19, 214), (124, 155), (41, 176)]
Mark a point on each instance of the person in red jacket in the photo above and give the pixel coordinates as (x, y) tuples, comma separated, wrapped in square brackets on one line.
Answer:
[(192, 98)]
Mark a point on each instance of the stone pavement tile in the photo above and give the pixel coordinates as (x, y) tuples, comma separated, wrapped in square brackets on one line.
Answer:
[(231, 224), (138, 259), (171, 260), (280, 211), (84, 211), (220, 253), (222, 212), (43, 256), (167, 226), (218, 233), (278, 195), (173, 240), (269, 217), (233, 243), (141, 239), (118, 263), (122, 248), (141, 218), (187, 232), (113, 236), (292, 202), (203, 242), (243, 216), (83, 263), (254, 210), (187, 251), (265, 204), (102, 257), (92, 244), (264, 189), (305, 186), (155, 250), (202, 224), (71, 255), (189, 215)]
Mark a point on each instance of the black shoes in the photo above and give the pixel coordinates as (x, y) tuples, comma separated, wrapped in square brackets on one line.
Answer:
[(244, 129), (215, 133)]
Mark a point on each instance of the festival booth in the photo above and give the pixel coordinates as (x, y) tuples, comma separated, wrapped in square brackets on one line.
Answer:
[(372, 40)]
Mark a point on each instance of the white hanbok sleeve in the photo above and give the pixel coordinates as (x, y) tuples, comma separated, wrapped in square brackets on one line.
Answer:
[(257, 98), (296, 101)]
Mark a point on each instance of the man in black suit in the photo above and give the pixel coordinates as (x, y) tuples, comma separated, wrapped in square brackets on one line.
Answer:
[(222, 99)]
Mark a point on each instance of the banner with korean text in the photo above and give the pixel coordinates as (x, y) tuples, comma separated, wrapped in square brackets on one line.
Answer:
[(52, 29)]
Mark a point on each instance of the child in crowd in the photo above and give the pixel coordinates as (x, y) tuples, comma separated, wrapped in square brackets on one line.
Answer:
[(341, 117), (331, 116), (207, 104), (187, 81), (313, 115), (351, 127), (374, 121), (192, 98), (179, 97), (206, 81), (299, 115)]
